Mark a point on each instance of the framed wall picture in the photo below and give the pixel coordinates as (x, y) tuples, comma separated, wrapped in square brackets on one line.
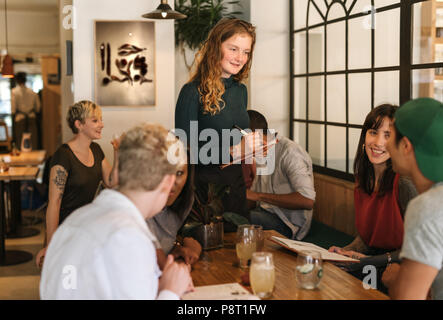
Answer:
[(125, 63)]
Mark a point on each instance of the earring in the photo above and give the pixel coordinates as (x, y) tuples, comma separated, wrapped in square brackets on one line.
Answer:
[(363, 147)]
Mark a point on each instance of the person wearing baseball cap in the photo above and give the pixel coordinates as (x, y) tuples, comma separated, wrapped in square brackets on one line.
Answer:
[(416, 148)]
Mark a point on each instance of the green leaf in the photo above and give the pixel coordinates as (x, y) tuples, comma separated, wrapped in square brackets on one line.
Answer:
[(203, 15)]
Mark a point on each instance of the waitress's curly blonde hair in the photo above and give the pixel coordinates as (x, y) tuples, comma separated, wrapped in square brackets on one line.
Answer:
[(209, 71)]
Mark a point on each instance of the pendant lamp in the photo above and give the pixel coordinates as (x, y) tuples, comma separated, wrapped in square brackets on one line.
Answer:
[(7, 67), (164, 11)]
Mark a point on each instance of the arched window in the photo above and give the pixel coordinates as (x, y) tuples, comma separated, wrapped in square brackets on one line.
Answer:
[(348, 56)]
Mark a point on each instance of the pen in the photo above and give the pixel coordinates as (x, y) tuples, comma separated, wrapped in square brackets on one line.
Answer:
[(243, 132)]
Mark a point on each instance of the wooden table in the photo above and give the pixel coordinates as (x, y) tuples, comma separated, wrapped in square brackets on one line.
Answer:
[(12, 257), (19, 173), (31, 158), (218, 266)]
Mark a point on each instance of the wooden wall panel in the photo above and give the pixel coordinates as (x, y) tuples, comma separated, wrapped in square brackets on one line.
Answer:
[(334, 204), (51, 106)]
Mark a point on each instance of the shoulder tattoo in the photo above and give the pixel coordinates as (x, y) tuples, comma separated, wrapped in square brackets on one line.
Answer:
[(60, 179)]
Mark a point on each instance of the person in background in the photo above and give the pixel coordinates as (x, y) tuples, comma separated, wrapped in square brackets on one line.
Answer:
[(168, 222), (380, 198), (286, 196), (416, 150), (77, 168), (25, 104), (107, 244), (216, 99)]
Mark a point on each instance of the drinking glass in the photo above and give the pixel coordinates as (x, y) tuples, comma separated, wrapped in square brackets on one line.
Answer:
[(245, 244), (260, 237), (309, 269), (262, 274)]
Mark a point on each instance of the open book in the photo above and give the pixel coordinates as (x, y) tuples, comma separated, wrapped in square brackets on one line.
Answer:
[(297, 246), (228, 291)]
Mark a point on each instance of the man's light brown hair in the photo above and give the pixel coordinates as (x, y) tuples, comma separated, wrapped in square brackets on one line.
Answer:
[(144, 159)]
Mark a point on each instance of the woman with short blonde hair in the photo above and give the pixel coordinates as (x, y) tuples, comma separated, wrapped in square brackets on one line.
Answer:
[(77, 168)]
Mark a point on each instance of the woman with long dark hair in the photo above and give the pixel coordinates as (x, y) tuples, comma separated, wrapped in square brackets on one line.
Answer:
[(380, 196), (168, 222)]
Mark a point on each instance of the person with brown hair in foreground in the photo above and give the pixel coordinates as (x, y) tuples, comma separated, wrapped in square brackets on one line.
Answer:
[(105, 249)]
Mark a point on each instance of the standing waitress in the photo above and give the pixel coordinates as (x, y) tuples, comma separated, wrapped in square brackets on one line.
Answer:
[(215, 98)]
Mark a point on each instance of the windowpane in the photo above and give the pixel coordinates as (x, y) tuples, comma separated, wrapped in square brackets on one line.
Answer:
[(316, 50), (438, 90), (427, 83), (300, 53), (336, 98), (387, 38), (300, 98), (322, 6), (316, 143), (354, 137), (316, 98), (427, 36), (5, 89), (5, 95), (314, 16), (300, 10), (359, 97), (336, 148), (336, 11), (359, 43), (300, 134), (336, 50), (387, 88)]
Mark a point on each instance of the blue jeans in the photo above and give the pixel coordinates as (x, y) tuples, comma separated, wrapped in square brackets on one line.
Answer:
[(269, 221)]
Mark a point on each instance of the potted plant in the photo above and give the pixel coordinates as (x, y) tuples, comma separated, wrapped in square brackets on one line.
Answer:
[(202, 16)]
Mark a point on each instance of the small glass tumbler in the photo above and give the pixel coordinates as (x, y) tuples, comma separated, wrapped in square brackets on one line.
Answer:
[(262, 274), (245, 244), (309, 269), (260, 237)]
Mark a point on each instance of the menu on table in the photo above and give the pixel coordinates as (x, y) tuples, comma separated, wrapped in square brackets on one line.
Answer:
[(306, 246)]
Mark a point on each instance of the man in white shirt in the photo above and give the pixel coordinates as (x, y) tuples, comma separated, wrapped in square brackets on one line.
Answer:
[(25, 104), (105, 250)]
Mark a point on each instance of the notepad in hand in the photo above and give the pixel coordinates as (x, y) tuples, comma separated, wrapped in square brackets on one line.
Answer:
[(297, 246), (261, 150)]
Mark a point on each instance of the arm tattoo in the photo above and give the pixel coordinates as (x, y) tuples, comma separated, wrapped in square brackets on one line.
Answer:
[(60, 180)]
